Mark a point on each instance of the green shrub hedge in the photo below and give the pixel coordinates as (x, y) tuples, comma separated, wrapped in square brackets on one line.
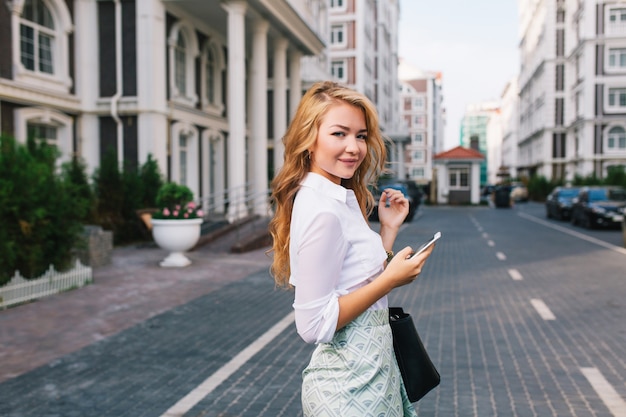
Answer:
[(43, 206)]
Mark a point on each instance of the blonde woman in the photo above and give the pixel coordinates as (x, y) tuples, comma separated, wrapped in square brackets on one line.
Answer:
[(341, 270)]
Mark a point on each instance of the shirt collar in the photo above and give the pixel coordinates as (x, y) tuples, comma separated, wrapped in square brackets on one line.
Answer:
[(325, 186)]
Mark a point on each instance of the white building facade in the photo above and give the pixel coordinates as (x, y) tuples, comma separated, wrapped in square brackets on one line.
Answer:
[(572, 88), (207, 88)]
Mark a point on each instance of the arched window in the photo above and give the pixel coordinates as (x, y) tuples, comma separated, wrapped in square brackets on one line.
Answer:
[(37, 37), (183, 51), (212, 65), (184, 163), (53, 127), (180, 64), (616, 139), (41, 44), (210, 76)]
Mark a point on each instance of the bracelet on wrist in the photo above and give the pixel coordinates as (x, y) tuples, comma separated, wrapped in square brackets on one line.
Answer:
[(390, 255)]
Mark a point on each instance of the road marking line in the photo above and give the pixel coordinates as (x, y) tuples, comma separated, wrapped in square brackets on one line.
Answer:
[(515, 274), (608, 394), (490, 243), (501, 256), (574, 233), (205, 388), (485, 235), (542, 309)]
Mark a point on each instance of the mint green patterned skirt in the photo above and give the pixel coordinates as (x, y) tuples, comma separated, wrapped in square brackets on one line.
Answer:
[(356, 374)]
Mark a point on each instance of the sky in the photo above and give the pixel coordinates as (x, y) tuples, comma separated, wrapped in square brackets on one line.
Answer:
[(473, 43)]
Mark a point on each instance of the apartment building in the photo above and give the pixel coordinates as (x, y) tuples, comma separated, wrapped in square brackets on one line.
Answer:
[(422, 111), (572, 88), (205, 87), (363, 54)]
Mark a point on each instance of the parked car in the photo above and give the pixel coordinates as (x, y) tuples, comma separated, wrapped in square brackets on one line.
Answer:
[(559, 202), (599, 206), (519, 192), (413, 197), (486, 192)]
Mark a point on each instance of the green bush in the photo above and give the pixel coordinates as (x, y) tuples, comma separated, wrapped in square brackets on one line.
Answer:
[(119, 194), (74, 175), (151, 181), (539, 188), (172, 194), (40, 221)]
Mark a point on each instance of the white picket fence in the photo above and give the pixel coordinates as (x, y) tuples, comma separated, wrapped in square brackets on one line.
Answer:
[(20, 290)]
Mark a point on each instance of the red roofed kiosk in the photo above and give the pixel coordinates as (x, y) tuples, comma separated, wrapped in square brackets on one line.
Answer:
[(457, 178)]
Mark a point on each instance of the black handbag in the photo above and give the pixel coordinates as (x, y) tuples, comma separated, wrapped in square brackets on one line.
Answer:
[(418, 372)]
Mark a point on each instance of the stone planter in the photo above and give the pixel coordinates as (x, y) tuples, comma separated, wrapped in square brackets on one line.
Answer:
[(177, 237)]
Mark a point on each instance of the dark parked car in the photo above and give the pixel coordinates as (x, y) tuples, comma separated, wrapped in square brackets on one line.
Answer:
[(411, 192), (559, 202), (599, 207)]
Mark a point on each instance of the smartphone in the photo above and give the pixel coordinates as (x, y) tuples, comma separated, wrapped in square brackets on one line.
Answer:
[(424, 246)]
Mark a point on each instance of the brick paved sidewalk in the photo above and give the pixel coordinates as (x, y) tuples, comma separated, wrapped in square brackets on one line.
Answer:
[(130, 290)]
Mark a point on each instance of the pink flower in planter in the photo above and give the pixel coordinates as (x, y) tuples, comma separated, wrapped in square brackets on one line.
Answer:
[(200, 213), (166, 212)]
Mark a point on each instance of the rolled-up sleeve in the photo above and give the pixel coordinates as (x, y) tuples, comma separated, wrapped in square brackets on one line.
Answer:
[(317, 263)]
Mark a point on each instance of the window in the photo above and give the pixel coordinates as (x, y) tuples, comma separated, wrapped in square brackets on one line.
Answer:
[(182, 158), (458, 178), (53, 127), (418, 138), (180, 62), (212, 64), (617, 16), (37, 37), (560, 42), (184, 161), (419, 120), (40, 49), (616, 21), (617, 98), (337, 35), (338, 4), (558, 112), (616, 139), (560, 77), (418, 172), (418, 102), (617, 58), (338, 70), (183, 50), (418, 156), (46, 133)]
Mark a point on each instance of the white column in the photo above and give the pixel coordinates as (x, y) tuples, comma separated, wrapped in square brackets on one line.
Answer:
[(236, 108), (258, 117), (280, 100), (295, 82), (86, 78), (152, 128)]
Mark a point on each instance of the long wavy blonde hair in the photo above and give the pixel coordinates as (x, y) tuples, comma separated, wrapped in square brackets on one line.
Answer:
[(301, 135)]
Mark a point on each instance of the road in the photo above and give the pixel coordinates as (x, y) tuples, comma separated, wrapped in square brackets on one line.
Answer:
[(523, 316)]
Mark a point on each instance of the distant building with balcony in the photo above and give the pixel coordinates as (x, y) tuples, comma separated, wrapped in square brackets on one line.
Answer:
[(363, 55), (422, 111)]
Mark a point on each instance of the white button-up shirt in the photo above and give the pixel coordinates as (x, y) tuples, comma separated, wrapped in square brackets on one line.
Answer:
[(332, 251)]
